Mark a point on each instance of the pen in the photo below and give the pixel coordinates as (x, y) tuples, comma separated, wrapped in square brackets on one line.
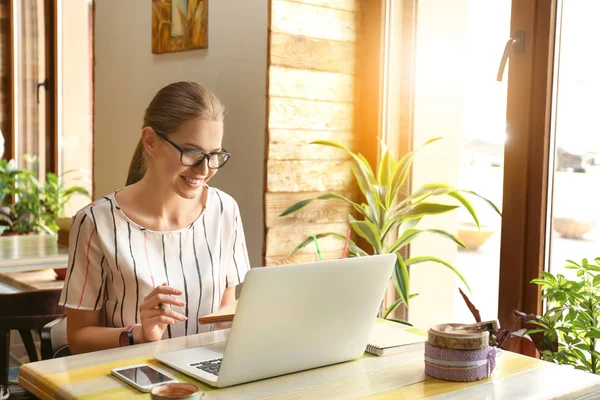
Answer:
[(346, 243), (317, 246)]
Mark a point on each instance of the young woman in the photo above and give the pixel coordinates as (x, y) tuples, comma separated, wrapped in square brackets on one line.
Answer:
[(147, 260)]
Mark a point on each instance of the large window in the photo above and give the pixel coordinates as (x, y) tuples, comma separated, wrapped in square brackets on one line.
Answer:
[(46, 89), (33, 125), (496, 142)]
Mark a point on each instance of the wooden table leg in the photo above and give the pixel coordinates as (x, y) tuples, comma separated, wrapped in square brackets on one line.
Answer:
[(29, 344)]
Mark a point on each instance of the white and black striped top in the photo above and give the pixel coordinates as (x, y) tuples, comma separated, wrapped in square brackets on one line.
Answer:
[(114, 263)]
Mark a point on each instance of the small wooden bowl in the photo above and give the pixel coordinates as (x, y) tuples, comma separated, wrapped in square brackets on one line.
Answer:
[(61, 273), (472, 236), (571, 228)]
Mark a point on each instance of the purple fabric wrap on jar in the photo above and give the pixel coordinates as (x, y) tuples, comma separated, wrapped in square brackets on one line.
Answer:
[(459, 365)]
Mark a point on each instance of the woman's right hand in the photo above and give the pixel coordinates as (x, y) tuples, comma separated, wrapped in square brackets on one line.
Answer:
[(155, 319)]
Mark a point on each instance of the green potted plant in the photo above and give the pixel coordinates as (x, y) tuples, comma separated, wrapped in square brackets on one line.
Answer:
[(29, 206), (389, 217), (569, 331)]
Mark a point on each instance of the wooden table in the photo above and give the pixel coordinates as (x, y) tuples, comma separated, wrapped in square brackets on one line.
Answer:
[(399, 376), (28, 253), (25, 308), (31, 280)]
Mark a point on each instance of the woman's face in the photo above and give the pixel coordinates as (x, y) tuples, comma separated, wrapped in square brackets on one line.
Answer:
[(187, 182)]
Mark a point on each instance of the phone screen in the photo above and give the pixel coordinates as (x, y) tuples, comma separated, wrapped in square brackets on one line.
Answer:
[(144, 375)]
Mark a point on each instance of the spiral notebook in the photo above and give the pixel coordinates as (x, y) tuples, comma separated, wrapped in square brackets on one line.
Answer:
[(387, 339)]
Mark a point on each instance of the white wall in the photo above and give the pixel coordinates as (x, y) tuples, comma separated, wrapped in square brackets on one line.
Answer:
[(128, 75)]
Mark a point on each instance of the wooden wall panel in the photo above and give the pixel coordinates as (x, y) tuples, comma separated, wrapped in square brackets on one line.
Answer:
[(312, 21), (311, 97), (300, 258), (308, 176), (311, 53), (312, 85), (317, 212), (309, 114), (287, 144), (281, 240)]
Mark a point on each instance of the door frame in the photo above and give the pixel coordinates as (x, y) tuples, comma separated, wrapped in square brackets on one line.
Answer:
[(51, 38), (525, 218), (8, 91)]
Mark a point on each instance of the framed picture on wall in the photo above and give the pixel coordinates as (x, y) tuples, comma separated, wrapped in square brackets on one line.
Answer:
[(179, 25)]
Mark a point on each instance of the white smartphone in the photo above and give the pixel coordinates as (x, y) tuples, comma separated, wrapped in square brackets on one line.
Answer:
[(142, 376)]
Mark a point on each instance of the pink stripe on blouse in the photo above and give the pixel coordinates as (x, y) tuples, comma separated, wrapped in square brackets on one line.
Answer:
[(87, 267)]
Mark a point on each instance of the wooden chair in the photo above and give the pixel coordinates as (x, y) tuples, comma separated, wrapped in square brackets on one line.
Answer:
[(25, 311), (53, 339)]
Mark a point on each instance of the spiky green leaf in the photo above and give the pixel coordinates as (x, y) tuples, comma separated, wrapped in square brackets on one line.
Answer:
[(296, 206), (385, 171), (400, 321), (352, 247), (455, 194), (391, 308), (491, 204), (326, 196), (368, 192), (424, 209), (400, 278), (448, 235), (402, 169), (403, 240), (367, 230)]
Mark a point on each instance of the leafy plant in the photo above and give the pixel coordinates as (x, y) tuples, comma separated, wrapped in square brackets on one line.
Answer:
[(26, 205), (569, 332), (388, 219), (8, 177)]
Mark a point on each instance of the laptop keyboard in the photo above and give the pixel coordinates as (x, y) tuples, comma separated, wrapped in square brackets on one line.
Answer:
[(210, 366)]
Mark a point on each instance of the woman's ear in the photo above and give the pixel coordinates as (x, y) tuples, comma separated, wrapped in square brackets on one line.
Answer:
[(149, 140)]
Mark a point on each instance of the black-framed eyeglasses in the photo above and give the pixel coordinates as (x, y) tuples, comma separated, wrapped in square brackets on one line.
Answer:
[(194, 157)]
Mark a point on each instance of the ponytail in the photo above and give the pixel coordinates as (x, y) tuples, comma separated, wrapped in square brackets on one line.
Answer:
[(137, 168)]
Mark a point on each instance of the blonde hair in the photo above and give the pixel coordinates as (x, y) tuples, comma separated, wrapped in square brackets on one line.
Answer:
[(170, 107)]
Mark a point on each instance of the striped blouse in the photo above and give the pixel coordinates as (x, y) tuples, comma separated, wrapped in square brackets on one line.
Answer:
[(114, 263)]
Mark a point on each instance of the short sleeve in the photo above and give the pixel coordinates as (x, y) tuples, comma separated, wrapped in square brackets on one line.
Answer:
[(238, 263), (85, 280)]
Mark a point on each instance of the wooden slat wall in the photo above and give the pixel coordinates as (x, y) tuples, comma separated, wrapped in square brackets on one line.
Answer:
[(310, 97)]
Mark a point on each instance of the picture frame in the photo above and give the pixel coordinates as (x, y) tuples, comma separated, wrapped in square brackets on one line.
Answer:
[(179, 25)]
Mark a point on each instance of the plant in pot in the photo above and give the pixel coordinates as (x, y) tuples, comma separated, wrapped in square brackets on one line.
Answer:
[(569, 331), (389, 218), (10, 222), (28, 206)]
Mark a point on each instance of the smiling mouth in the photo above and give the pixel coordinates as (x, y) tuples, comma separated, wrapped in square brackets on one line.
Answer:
[(192, 181)]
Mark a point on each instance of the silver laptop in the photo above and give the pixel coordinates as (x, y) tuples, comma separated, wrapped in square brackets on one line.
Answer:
[(292, 318)]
